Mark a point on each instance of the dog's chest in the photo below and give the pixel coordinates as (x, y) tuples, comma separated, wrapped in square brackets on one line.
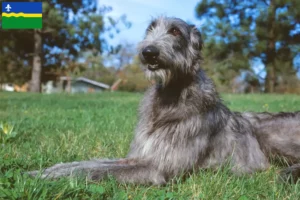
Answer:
[(169, 149)]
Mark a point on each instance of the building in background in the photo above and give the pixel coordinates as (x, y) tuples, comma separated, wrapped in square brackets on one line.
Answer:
[(74, 85)]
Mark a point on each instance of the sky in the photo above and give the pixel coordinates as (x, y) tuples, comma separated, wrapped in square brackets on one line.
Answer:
[(140, 13)]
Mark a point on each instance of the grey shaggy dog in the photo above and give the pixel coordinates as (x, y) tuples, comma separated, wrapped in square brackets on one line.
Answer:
[(183, 124)]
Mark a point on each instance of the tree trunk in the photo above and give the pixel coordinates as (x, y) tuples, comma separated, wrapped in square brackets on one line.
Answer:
[(36, 73), (271, 51)]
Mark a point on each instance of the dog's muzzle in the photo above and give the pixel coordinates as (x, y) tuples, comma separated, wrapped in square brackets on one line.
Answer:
[(150, 54)]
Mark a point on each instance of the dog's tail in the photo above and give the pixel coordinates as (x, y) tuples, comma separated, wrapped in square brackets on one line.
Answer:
[(124, 170)]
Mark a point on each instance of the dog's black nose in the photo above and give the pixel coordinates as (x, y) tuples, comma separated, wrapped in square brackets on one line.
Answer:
[(150, 54)]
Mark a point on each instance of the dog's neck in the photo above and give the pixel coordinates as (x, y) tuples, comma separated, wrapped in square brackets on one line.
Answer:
[(184, 86), (176, 83), (174, 89)]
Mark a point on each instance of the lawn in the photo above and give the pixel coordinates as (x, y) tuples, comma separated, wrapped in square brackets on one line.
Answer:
[(62, 128)]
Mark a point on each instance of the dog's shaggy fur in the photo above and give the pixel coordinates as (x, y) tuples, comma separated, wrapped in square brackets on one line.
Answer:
[(183, 124)]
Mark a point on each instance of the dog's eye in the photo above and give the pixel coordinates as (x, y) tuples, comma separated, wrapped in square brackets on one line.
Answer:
[(174, 31)]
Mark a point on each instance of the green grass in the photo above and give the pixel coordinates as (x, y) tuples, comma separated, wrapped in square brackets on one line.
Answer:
[(62, 128), (22, 22)]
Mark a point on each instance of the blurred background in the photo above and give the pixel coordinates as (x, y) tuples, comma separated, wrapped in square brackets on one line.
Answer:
[(90, 45)]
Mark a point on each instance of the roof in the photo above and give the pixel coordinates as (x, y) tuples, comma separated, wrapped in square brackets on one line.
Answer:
[(102, 85)]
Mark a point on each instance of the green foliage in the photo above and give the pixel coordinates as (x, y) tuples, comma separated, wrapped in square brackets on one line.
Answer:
[(80, 127), (133, 78), (237, 32), (69, 29), (7, 132)]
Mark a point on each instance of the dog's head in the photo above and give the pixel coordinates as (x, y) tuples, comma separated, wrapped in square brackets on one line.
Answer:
[(170, 48)]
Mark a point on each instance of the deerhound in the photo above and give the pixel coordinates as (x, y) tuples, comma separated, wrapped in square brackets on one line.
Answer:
[(184, 125)]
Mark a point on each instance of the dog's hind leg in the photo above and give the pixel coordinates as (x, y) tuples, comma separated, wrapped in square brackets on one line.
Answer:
[(279, 137), (278, 134)]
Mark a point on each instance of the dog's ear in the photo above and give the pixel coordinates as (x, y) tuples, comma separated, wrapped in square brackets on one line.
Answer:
[(196, 38), (151, 26)]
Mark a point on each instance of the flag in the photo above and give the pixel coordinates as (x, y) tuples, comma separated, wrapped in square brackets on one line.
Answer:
[(22, 15)]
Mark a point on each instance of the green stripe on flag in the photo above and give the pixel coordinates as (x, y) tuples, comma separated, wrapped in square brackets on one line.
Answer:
[(21, 23)]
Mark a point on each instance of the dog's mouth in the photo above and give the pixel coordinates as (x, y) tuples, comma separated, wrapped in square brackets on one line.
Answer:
[(153, 67)]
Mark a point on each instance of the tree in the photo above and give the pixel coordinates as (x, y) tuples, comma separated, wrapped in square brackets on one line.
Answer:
[(237, 32), (69, 27), (35, 85)]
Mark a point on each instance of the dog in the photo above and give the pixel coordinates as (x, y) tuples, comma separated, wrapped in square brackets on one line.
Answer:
[(184, 125)]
